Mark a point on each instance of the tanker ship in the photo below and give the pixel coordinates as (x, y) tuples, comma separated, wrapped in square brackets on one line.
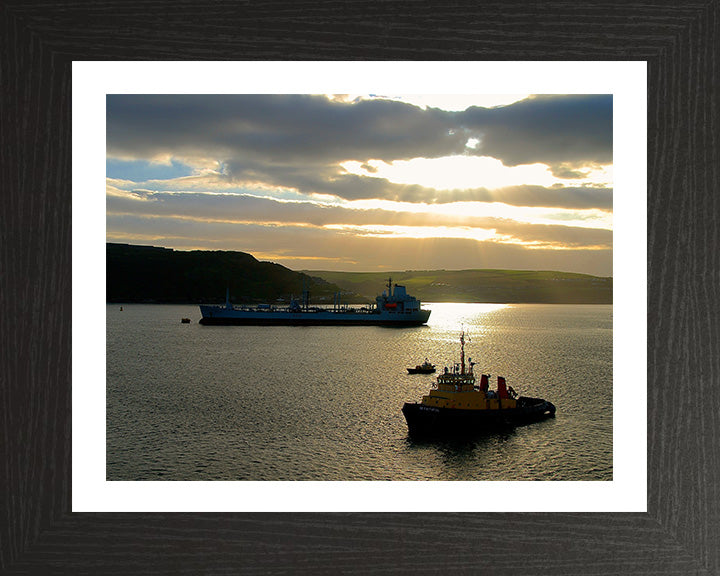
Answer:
[(394, 307)]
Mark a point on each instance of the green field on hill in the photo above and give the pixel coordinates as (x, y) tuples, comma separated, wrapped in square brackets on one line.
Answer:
[(480, 285)]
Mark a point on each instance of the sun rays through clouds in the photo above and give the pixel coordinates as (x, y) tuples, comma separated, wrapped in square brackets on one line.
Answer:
[(358, 182)]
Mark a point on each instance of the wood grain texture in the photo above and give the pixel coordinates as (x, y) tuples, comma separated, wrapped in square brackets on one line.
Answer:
[(680, 535)]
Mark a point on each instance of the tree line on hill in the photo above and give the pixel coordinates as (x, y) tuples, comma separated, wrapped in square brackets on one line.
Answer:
[(162, 275)]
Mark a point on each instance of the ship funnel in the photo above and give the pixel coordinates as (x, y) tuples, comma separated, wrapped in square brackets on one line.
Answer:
[(502, 388), (484, 382)]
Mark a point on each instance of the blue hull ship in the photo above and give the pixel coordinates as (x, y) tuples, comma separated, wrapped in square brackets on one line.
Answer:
[(394, 307)]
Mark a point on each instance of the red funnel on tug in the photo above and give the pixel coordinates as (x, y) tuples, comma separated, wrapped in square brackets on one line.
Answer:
[(502, 388)]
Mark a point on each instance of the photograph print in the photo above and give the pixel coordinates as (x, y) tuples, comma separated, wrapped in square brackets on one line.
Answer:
[(359, 287)]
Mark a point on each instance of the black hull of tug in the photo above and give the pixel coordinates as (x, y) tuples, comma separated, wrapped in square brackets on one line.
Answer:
[(428, 421)]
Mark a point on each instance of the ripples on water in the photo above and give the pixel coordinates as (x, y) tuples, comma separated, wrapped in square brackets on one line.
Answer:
[(192, 402)]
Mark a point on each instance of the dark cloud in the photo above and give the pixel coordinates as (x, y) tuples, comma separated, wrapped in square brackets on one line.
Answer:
[(335, 182), (276, 129), (568, 171), (576, 198), (553, 130), (298, 140)]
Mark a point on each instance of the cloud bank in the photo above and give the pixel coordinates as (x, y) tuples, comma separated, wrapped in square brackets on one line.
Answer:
[(268, 174)]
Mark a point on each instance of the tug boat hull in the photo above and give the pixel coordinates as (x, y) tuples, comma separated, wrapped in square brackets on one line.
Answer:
[(428, 421)]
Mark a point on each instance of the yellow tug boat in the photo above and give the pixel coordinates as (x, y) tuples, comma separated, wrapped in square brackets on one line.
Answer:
[(458, 405)]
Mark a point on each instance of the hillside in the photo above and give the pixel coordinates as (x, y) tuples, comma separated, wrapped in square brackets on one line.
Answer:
[(506, 286), (151, 274)]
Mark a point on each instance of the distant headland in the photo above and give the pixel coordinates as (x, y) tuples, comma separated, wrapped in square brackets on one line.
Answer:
[(162, 275)]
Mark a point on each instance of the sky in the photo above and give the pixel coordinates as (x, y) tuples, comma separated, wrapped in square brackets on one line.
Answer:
[(367, 182)]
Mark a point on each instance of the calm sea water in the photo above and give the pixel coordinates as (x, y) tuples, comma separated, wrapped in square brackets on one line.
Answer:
[(192, 402)]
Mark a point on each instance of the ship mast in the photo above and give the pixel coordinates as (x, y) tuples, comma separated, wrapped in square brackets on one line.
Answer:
[(305, 294), (462, 352)]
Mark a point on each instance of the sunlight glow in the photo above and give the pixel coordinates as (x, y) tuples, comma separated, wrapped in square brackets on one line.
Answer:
[(383, 231), (127, 194), (449, 102), (286, 256), (530, 215), (457, 232), (467, 172)]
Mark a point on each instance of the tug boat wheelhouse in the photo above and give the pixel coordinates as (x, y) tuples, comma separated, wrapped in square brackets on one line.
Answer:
[(457, 405)]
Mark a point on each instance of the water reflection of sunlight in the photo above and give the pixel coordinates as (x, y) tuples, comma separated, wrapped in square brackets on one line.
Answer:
[(453, 316)]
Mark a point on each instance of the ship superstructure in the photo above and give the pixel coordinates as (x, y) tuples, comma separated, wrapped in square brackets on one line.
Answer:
[(394, 307)]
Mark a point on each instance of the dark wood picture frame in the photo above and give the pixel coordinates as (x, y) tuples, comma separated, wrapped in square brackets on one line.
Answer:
[(680, 533)]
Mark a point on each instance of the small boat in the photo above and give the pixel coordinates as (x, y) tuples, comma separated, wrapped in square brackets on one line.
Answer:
[(456, 405), (424, 368), (185, 320)]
